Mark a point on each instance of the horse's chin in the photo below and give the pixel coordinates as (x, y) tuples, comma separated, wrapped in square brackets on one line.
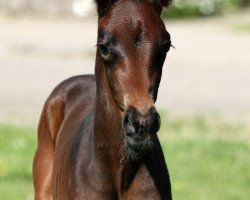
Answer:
[(136, 150)]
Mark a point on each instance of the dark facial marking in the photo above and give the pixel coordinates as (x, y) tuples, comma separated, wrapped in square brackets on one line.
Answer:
[(138, 30)]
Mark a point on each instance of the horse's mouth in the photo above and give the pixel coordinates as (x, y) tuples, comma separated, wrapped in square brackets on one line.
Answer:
[(138, 141), (137, 147)]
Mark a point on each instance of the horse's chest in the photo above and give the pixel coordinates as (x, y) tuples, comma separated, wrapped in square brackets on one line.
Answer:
[(93, 192), (97, 186)]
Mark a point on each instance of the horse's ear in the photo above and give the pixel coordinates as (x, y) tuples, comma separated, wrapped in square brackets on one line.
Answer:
[(165, 3), (103, 5), (160, 4)]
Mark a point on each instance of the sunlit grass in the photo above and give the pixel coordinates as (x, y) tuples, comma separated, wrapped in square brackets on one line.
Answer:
[(208, 159), (208, 168), (17, 145)]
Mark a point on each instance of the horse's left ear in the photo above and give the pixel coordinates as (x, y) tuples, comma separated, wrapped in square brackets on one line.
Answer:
[(103, 5), (160, 4)]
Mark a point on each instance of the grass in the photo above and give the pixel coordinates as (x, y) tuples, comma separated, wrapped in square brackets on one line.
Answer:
[(17, 145), (203, 168), (207, 159)]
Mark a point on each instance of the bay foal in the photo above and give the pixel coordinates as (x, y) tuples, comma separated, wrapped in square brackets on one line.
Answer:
[(97, 133)]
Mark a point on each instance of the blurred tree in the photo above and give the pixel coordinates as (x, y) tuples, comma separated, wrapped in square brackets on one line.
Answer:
[(194, 8), (245, 3)]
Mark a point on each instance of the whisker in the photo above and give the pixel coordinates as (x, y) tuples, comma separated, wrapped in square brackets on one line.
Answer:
[(172, 46)]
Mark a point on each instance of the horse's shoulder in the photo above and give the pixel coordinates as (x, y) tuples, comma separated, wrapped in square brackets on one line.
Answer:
[(70, 101)]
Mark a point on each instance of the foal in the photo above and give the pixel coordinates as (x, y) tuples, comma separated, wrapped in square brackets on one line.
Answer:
[(97, 133)]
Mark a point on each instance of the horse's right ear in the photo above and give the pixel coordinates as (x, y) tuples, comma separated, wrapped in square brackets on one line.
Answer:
[(162, 3), (103, 5)]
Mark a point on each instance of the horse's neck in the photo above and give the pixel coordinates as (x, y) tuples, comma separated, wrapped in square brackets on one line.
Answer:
[(107, 124), (108, 137)]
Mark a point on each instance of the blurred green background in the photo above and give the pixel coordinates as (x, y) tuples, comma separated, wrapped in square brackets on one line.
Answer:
[(205, 131), (203, 8)]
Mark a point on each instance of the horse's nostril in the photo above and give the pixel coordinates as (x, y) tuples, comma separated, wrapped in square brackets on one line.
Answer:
[(128, 124), (155, 123), (126, 118)]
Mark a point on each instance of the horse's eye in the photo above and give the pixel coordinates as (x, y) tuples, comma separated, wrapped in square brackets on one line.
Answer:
[(166, 46), (105, 52)]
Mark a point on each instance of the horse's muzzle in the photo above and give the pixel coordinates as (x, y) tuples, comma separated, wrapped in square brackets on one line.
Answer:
[(139, 128)]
